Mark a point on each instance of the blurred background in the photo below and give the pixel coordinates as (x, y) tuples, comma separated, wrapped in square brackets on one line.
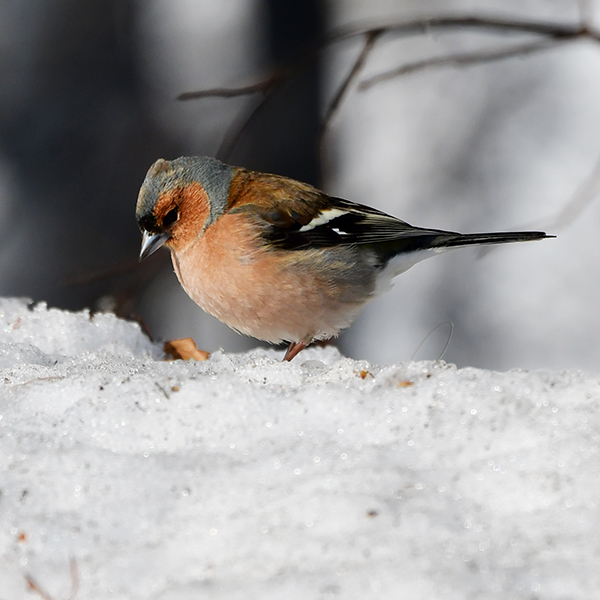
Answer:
[(89, 100)]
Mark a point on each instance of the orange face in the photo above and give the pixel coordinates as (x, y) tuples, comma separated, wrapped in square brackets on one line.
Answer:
[(182, 213), (179, 199)]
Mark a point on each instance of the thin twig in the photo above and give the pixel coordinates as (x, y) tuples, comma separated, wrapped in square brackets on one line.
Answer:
[(427, 25), (280, 74), (462, 59), (267, 86), (261, 86), (402, 28), (370, 40), (237, 128)]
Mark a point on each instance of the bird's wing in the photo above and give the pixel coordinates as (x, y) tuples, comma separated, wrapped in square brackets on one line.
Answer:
[(292, 216)]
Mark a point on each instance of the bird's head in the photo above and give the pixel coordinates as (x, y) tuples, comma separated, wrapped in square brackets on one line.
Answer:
[(179, 199)]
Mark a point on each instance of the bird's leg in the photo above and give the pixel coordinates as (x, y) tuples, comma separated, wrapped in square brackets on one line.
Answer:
[(294, 348)]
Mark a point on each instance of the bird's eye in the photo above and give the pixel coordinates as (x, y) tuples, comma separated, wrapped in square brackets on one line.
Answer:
[(170, 218)]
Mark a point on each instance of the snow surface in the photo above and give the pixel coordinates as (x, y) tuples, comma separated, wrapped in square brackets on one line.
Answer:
[(244, 477)]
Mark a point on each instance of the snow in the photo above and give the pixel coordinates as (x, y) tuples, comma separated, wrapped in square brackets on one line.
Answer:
[(128, 476)]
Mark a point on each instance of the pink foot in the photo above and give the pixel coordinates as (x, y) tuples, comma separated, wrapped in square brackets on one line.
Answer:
[(294, 348)]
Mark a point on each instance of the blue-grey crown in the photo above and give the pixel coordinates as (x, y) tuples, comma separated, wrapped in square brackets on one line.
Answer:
[(214, 176)]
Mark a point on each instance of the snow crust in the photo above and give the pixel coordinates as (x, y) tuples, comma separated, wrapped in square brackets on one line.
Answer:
[(245, 477)]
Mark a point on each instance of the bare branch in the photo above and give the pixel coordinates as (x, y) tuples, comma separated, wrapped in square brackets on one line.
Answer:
[(550, 33), (468, 58), (236, 129), (371, 39), (261, 86), (556, 31), (499, 25)]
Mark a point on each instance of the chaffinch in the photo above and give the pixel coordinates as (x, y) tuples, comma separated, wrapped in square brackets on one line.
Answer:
[(277, 259)]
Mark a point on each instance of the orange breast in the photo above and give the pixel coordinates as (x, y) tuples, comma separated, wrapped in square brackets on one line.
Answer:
[(273, 295)]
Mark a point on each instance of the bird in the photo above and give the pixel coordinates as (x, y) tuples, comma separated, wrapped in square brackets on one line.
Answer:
[(277, 259)]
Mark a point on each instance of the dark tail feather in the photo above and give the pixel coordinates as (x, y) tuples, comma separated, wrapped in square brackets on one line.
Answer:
[(427, 239), (453, 240)]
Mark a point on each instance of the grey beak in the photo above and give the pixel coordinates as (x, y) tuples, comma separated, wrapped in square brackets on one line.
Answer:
[(151, 242)]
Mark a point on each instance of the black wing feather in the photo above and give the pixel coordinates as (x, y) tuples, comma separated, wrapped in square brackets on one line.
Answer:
[(356, 225), (362, 225)]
